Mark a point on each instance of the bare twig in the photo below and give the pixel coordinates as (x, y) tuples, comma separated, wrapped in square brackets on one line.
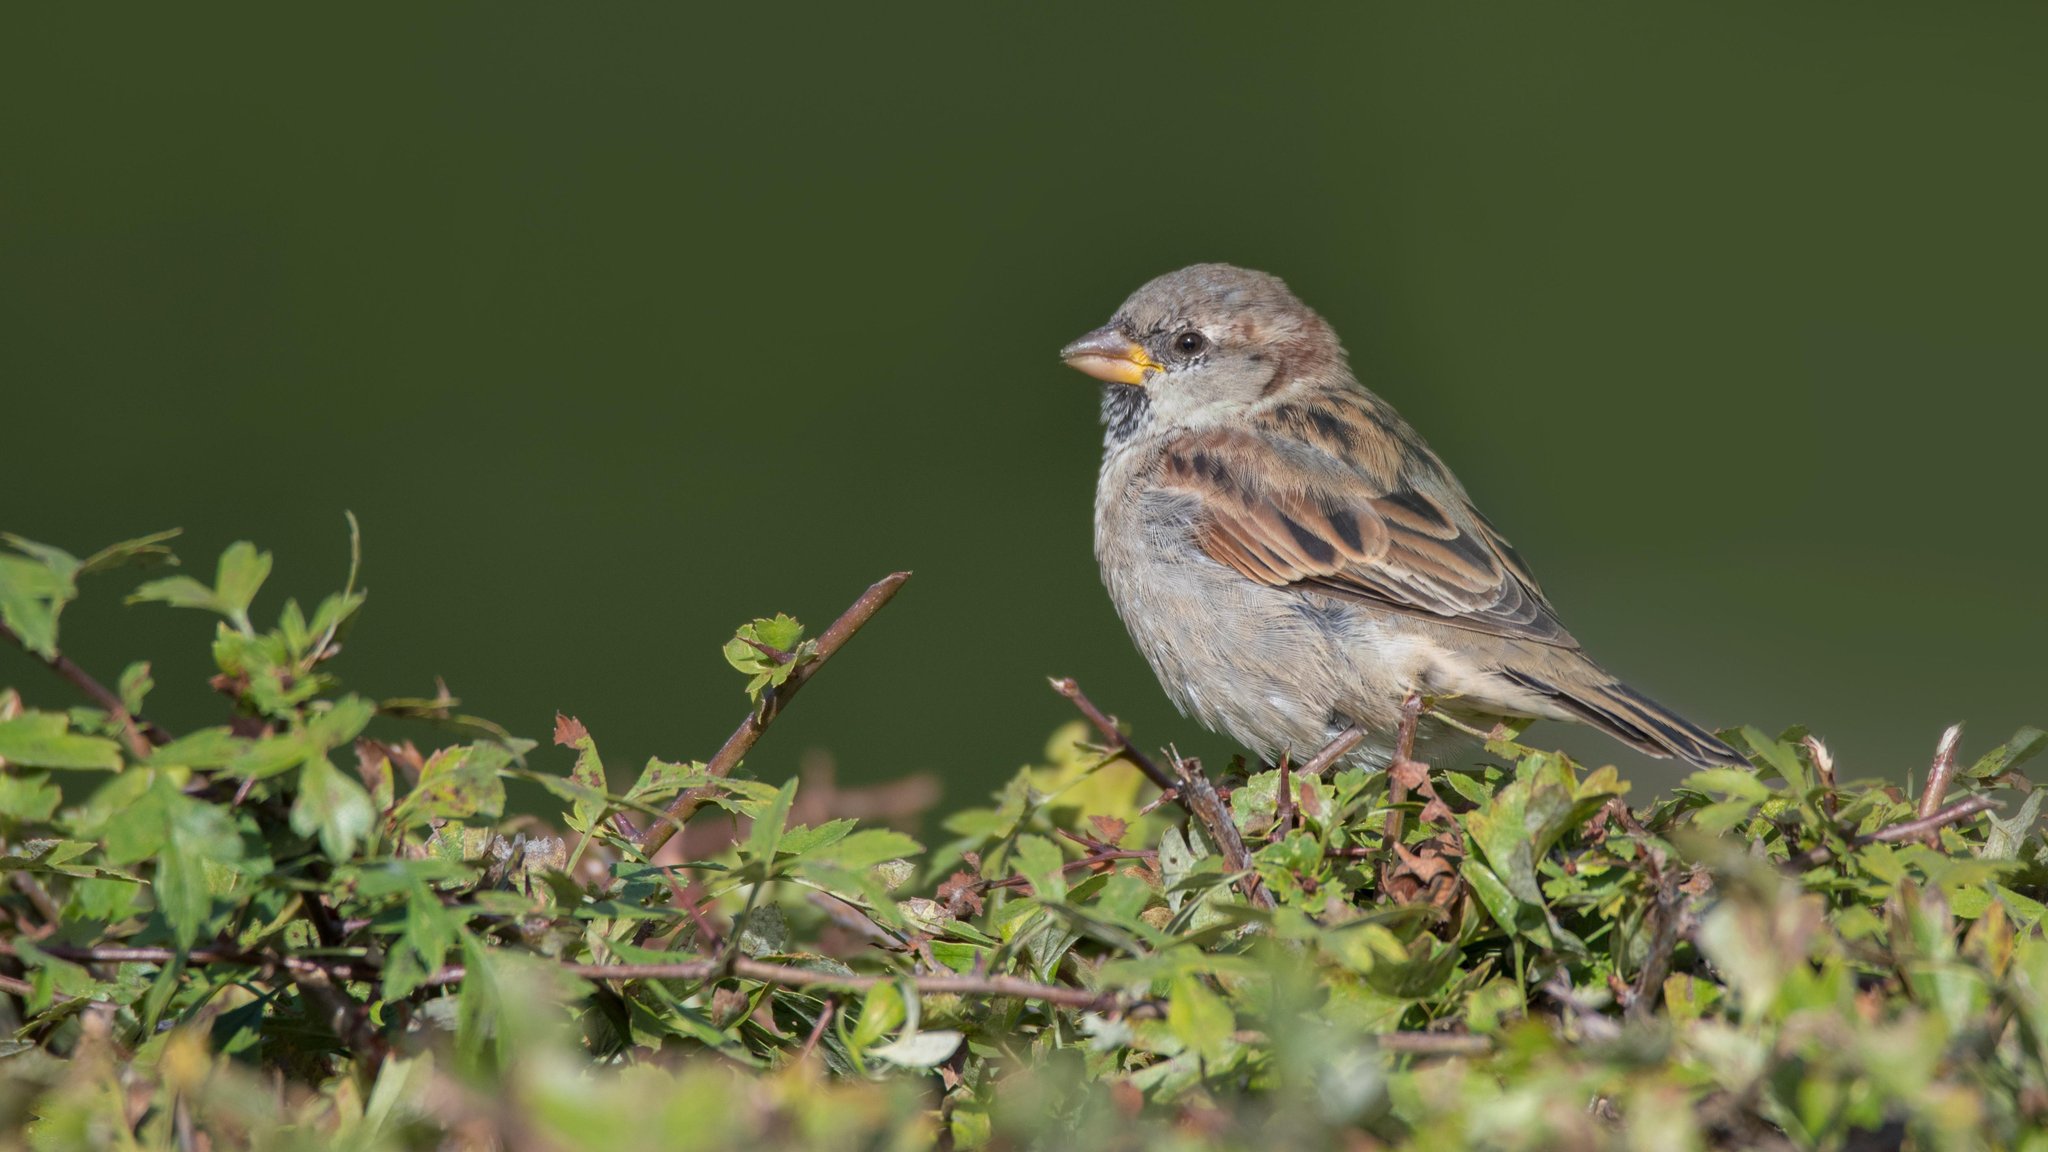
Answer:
[(1939, 774), (1335, 750), (818, 1029), (1093, 859), (1661, 920), (1105, 724), (1283, 808), (1199, 797), (136, 733), (1404, 752), (773, 701), (766, 972), (1908, 830), (1434, 1043)]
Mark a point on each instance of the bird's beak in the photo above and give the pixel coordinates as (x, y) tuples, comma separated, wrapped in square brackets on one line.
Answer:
[(1108, 354)]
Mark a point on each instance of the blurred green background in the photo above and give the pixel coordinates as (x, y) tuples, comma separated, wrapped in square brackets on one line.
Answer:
[(619, 325)]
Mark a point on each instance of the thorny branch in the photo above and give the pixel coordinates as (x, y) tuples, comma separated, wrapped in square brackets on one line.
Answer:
[(1106, 724), (1907, 830), (1192, 791), (748, 968), (773, 701)]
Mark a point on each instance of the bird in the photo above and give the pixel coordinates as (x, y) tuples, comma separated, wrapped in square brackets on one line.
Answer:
[(1292, 559)]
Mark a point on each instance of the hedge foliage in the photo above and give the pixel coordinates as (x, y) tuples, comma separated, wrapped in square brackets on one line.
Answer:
[(298, 929)]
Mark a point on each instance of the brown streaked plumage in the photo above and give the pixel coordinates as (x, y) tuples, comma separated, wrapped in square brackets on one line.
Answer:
[(1290, 556)]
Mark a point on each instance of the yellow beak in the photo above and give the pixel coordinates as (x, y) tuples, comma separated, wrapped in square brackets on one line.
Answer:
[(1108, 354)]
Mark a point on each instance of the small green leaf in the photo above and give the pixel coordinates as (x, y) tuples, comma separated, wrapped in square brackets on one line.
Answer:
[(28, 799), (1199, 1018), (34, 588), (1040, 861), (766, 835), (1730, 782), (241, 574), (332, 806), (768, 651), (134, 686), (44, 740), (177, 592), (2024, 746), (141, 550)]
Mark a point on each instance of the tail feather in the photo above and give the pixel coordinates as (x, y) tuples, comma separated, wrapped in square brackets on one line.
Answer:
[(1634, 719)]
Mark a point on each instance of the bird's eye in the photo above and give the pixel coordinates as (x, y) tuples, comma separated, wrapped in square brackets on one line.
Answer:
[(1190, 342)]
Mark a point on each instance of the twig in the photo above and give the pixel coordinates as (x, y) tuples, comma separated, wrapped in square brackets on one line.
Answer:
[(138, 734), (1335, 750), (1662, 920), (1939, 774), (1434, 1043), (766, 972), (1283, 807), (1065, 686), (1908, 830), (818, 1029), (773, 701), (1199, 797), (1397, 792), (1103, 856)]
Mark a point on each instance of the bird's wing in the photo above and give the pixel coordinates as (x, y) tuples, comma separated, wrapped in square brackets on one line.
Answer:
[(1372, 516)]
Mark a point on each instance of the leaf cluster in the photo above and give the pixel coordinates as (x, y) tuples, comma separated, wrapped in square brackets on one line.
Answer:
[(303, 928)]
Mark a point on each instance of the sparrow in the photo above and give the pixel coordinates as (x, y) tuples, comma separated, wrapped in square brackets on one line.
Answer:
[(1293, 560)]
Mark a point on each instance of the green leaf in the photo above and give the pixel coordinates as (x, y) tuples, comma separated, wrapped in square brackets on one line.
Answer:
[(1739, 783), (194, 837), (177, 592), (1781, 758), (134, 686), (44, 740), (1039, 860), (332, 806), (766, 835), (661, 780), (2024, 746), (431, 931), (28, 799), (768, 651), (455, 783), (34, 588), (1199, 1019), (141, 550), (206, 748), (863, 849), (241, 574)]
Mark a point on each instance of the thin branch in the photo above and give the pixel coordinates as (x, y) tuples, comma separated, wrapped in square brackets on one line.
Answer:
[(1335, 750), (1404, 751), (1434, 1043), (766, 972), (1283, 807), (1939, 774), (138, 734), (1908, 830), (818, 1029), (1199, 797), (1093, 859), (1105, 724), (773, 701)]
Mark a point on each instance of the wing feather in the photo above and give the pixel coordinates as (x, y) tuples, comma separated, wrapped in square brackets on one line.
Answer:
[(1283, 506)]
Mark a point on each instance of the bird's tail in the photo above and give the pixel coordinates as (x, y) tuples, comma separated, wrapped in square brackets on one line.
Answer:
[(1632, 718)]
